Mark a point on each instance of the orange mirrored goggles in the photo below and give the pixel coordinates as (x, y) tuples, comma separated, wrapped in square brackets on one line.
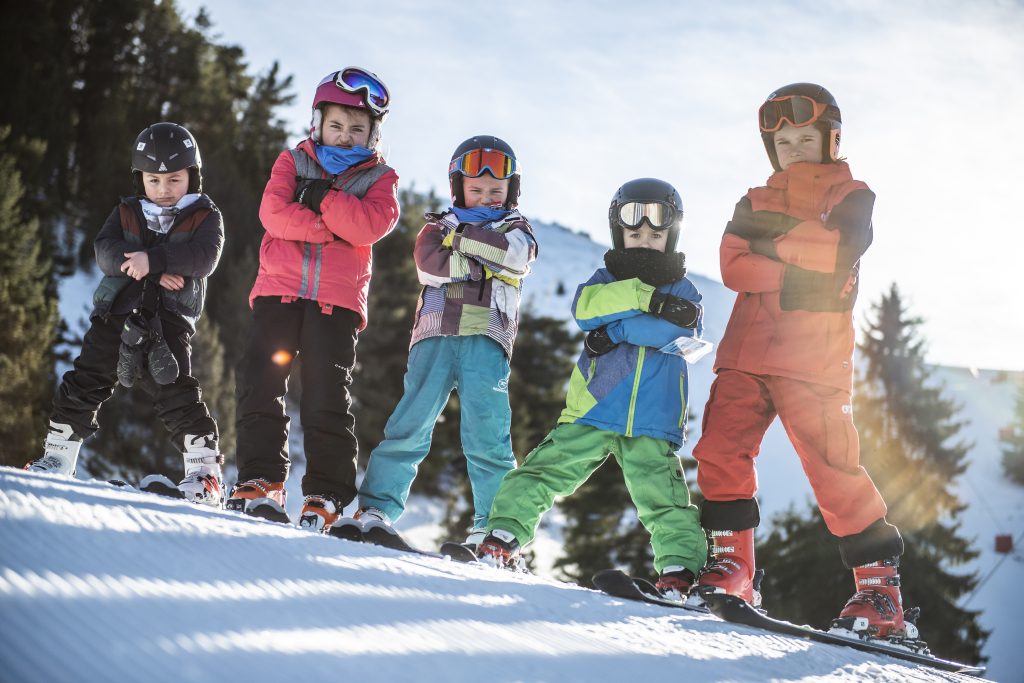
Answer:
[(796, 110), (474, 162)]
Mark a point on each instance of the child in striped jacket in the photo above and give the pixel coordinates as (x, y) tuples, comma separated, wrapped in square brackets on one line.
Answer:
[(471, 260)]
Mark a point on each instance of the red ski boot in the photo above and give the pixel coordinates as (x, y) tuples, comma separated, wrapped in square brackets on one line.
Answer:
[(675, 583), (876, 609), (730, 568)]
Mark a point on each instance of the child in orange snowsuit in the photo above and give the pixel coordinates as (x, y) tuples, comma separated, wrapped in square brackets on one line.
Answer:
[(791, 252)]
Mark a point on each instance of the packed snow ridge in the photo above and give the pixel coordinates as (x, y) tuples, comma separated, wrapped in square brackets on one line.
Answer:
[(104, 584)]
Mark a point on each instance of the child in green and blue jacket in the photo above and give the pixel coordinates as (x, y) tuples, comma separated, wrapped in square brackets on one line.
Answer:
[(626, 398)]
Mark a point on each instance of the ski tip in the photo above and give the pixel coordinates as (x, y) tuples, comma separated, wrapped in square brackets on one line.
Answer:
[(459, 552), (349, 530), (606, 575)]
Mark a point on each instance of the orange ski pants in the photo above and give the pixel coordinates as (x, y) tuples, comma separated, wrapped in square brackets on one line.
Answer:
[(819, 422)]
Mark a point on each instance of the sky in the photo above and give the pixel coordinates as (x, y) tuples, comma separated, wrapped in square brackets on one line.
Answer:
[(592, 94)]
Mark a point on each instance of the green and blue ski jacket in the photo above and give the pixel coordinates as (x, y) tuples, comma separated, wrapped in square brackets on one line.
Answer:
[(633, 389)]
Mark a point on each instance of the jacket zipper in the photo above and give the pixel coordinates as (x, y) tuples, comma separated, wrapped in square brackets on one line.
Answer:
[(682, 400), (636, 387)]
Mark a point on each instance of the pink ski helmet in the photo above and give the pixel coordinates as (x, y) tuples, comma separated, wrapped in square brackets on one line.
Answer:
[(351, 87)]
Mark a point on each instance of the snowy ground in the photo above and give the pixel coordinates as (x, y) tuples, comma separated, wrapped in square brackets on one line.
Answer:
[(100, 584)]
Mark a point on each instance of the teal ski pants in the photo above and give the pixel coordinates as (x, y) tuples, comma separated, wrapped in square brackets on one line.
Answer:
[(478, 368), (654, 477)]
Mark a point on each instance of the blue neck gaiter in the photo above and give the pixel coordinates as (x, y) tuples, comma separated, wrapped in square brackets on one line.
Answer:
[(336, 160), (479, 214)]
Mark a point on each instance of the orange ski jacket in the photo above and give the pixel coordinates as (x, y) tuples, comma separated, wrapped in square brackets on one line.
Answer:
[(792, 253)]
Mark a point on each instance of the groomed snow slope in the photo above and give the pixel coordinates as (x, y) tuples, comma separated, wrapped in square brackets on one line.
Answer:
[(102, 584)]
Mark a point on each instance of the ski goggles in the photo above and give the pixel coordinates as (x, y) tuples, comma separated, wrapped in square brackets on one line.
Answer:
[(796, 110), (359, 81), (474, 162), (657, 214)]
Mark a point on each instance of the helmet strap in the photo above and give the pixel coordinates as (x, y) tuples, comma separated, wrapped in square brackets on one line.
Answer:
[(832, 141)]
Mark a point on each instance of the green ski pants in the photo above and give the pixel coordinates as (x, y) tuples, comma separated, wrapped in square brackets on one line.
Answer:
[(570, 454)]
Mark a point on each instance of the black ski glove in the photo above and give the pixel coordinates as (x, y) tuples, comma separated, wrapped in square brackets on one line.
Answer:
[(134, 337), (598, 342), (163, 366), (313, 193), (679, 312)]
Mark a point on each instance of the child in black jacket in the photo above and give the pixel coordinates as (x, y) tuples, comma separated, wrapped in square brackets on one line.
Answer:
[(155, 251)]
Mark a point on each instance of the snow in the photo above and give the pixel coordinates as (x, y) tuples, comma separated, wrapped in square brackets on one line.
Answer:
[(102, 584)]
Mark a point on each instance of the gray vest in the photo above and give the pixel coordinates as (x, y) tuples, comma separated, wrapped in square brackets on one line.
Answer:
[(356, 184)]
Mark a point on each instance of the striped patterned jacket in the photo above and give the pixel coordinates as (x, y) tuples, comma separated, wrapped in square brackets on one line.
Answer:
[(474, 285)]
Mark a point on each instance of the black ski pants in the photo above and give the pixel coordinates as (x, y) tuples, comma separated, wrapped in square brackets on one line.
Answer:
[(326, 346), (179, 405)]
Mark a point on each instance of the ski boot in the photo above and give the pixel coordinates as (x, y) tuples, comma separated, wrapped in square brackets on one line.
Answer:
[(319, 513), (499, 549), (60, 452), (475, 538), (374, 516), (675, 583), (730, 568), (256, 491), (202, 482), (876, 609)]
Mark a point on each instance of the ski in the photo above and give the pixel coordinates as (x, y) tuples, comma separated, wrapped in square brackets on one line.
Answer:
[(160, 485), (268, 509), (619, 584), (153, 483), (381, 534), (459, 552), (347, 529), (736, 610)]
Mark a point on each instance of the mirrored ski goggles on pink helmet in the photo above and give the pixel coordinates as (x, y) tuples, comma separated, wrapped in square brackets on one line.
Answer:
[(355, 80), (474, 162), (796, 110), (657, 214)]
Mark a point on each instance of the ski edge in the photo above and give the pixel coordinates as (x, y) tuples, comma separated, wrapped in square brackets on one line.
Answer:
[(619, 584), (735, 610)]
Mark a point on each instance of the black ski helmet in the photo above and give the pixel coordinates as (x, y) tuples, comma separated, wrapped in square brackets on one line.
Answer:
[(164, 148), (645, 191), (829, 123), (483, 142)]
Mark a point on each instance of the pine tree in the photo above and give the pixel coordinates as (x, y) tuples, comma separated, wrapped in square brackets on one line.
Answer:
[(29, 312), (1012, 439), (908, 436)]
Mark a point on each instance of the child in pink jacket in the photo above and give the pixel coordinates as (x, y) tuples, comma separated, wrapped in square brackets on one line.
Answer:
[(327, 202)]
